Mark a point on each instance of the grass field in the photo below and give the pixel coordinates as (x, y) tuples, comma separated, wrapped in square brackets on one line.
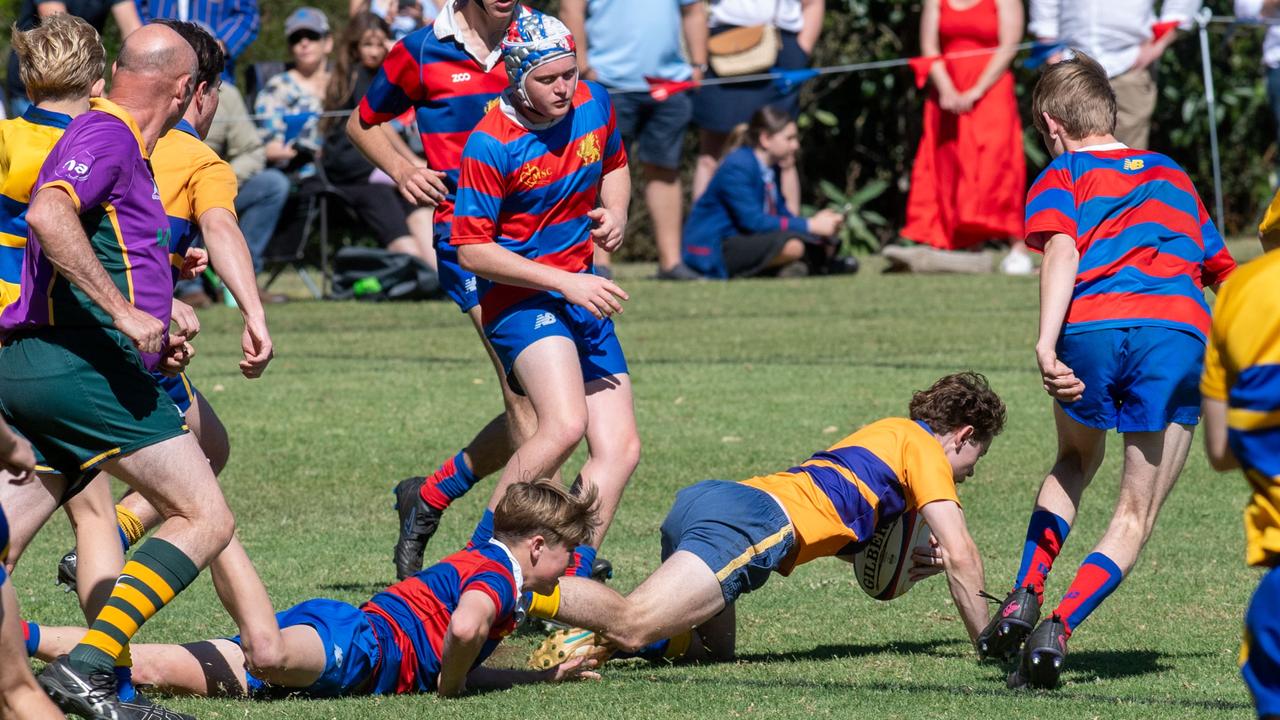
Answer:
[(731, 380)]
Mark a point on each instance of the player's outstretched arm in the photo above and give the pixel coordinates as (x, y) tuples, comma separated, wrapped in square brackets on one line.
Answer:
[(468, 629), (231, 260), (417, 183), (961, 562), (55, 222)]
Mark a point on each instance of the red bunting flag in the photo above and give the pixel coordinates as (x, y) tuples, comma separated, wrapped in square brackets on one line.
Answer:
[(920, 66), (660, 89), (1161, 29)]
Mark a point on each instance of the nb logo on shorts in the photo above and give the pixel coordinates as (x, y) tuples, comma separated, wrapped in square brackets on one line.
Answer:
[(470, 284), (543, 320), (461, 77), (1133, 164)]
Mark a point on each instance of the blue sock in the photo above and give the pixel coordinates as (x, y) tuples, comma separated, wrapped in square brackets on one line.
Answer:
[(124, 538), (1046, 533), (31, 633), (124, 683), (1097, 577), (652, 651), (584, 558), (484, 530)]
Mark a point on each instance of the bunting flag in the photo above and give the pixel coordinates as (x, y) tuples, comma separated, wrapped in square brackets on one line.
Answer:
[(1041, 52), (1161, 29), (788, 80), (920, 66), (660, 89)]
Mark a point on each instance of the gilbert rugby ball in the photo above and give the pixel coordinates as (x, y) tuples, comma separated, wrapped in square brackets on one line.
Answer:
[(881, 566)]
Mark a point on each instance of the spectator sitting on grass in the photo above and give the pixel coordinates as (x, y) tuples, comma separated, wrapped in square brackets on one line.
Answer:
[(742, 226)]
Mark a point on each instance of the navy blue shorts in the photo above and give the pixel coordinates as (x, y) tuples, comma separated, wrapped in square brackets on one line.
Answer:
[(544, 316), (720, 108), (1260, 656), (653, 131), (1137, 379), (179, 389), (458, 284), (740, 532), (351, 651)]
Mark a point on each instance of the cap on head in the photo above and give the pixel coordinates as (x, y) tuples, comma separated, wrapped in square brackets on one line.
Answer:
[(534, 39), (306, 18)]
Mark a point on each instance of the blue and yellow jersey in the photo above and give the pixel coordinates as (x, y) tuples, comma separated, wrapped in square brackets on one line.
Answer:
[(1242, 368), (192, 180), (24, 144), (838, 497)]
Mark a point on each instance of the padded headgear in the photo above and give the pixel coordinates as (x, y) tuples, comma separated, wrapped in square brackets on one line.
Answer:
[(533, 39)]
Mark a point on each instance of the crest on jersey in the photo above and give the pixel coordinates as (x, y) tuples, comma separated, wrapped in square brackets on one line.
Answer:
[(589, 149), (531, 176), (490, 105)]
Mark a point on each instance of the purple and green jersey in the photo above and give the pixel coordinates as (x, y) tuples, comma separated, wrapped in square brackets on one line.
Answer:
[(101, 162)]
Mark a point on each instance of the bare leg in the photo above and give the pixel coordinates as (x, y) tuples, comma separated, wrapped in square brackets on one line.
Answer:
[(20, 695), (422, 226), (549, 370), (28, 507), (99, 554), (522, 421), (203, 668), (792, 251), (710, 148), (664, 196), (614, 446), (1080, 453)]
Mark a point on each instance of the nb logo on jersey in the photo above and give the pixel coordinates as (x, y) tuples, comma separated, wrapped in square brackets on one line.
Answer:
[(462, 77), (1133, 164), (543, 320), (531, 176), (589, 149), (77, 168)]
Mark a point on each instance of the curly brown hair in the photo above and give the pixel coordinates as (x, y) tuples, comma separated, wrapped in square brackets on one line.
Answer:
[(543, 507), (960, 399)]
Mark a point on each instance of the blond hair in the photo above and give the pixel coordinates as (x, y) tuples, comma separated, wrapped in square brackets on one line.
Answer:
[(1078, 95), (542, 507), (60, 59)]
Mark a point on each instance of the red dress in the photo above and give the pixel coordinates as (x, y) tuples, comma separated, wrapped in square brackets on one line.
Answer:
[(969, 181)]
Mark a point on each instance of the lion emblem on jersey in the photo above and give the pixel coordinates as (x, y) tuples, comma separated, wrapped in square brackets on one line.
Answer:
[(589, 149), (531, 176), (490, 105)]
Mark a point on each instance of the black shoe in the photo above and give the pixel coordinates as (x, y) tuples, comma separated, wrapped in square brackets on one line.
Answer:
[(847, 265), (1042, 657), (601, 570), (679, 271), (67, 572), (141, 708), (418, 522), (91, 695), (1003, 636)]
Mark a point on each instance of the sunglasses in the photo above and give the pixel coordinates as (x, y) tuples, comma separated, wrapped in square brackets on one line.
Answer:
[(301, 35)]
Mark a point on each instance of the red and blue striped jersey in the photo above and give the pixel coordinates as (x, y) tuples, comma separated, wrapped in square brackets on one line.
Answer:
[(411, 617), (431, 71), (530, 189), (1147, 246)]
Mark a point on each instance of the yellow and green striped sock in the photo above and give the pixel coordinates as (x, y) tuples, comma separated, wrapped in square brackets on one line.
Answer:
[(157, 573)]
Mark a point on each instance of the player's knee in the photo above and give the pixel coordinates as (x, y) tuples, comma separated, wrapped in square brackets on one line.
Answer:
[(565, 431)]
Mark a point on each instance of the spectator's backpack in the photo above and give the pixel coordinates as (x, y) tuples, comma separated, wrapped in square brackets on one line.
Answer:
[(377, 275)]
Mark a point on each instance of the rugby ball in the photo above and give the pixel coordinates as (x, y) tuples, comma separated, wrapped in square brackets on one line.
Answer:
[(881, 565)]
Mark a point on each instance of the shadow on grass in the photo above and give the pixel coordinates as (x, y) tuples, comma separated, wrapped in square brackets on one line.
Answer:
[(367, 588), (839, 652)]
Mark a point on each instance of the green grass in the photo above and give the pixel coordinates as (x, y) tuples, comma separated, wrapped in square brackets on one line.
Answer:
[(731, 380)]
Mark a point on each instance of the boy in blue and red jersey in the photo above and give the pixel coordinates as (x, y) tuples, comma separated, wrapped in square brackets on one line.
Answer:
[(545, 180), (428, 633), (450, 73), (1129, 249)]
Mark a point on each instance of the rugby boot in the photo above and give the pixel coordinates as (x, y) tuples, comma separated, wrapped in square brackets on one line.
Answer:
[(141, 708), (563, 645), (601, 570), (1003, 636), (67, 572), (88, 695), (1042, 657), (418, 522)]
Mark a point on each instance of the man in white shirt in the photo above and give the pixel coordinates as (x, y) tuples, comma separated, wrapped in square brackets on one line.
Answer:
[(1118, 34), (1267, 11)]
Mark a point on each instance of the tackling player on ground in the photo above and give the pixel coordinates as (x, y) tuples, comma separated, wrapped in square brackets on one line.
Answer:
[(722, 539), (1241, 389), (544, 180), (1128, 250)]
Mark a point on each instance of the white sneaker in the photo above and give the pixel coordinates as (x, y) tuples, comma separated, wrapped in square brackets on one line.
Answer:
[(1017, 263)]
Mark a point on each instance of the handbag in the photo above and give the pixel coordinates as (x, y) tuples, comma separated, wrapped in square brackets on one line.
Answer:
[(745, 50)]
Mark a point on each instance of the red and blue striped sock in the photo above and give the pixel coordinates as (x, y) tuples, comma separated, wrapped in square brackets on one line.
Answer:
[(450, 482), (31, 636), (584, 556), (1097, 577), (1045, 535)]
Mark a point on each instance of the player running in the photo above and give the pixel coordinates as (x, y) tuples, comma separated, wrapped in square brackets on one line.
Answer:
[(544, 179), (1128, 250), (428, 633), (449, 72), (1241, 389), (722, 539)]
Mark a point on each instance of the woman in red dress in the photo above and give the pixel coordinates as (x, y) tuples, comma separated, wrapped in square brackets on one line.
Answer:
[(968, 184)]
